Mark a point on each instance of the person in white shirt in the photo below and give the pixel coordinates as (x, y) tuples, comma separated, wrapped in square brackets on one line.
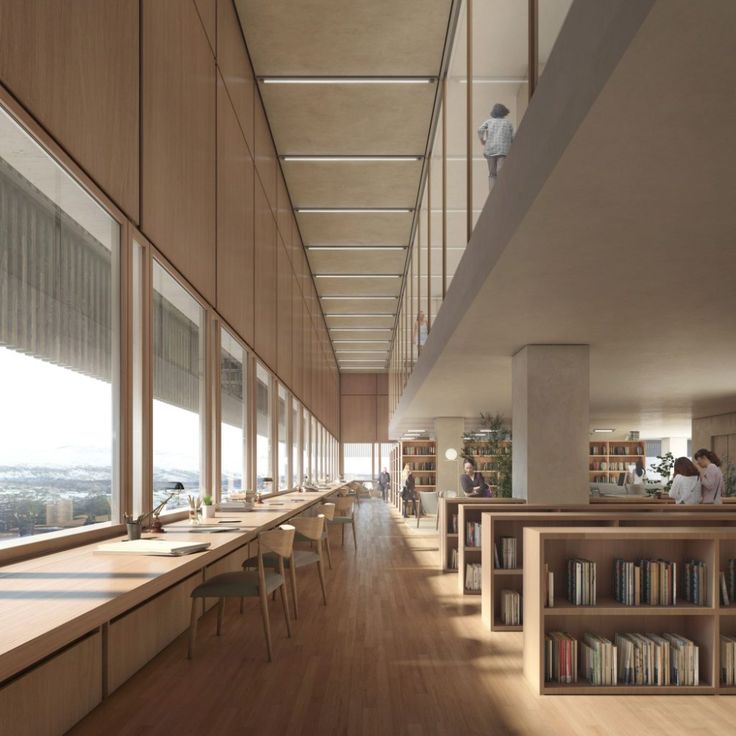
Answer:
[(637, 474), (686, 486), (496, 134)]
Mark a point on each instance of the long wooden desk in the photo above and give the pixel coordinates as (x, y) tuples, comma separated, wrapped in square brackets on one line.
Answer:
[(82, 600)]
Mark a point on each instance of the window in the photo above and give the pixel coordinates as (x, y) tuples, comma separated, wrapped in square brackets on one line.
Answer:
[(282, 457), (178, 390), (233, 407), (358, 460), (313, 450), (59, 345), (305, 446), (296, 426), (264, 481)]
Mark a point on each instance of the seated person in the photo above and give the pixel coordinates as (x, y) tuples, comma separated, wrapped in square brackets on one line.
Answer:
[(472, 482)]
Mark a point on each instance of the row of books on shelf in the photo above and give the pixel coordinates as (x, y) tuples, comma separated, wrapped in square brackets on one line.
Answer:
[(507, 560), (612, 466), (510, 607), (419, 450), (728, 583), (630, 659), (654, 582), (486, 450), (423, 480), (728, 660), (453, 558), (612, 449), (581, 582), (472, 534), (423, 466), (453, 524), (472, 576)]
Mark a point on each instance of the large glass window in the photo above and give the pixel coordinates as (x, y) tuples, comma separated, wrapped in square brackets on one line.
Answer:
[(233, 412), (58, 345), (283, 456), (178, 390), (306, 423), (296, 433), (264, 481), (358, 460), (313, 450)]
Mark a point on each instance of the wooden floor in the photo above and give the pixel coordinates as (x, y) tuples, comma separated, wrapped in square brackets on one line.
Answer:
[(397, 651)]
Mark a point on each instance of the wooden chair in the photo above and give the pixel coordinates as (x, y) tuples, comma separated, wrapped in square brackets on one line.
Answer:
[(344, 515), (250, 584), (429, 503), (310, 529), (328, 509)]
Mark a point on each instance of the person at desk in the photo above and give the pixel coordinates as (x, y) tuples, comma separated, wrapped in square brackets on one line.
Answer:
[(472, 482), (711, 476), (686, 484)]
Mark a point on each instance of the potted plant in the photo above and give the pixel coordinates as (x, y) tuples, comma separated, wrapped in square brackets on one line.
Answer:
[(208, 507), (664, 469)]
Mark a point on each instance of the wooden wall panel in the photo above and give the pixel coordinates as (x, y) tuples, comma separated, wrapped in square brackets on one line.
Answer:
[(358, 383), (74, 66), (50, 698), (207, 10), (178, 139), (284, 214), (266, 165), (358, 415), (382, 418), (297, 336), (266, 282), (235, 222), (284, 358), (382, 383), (235, 68)]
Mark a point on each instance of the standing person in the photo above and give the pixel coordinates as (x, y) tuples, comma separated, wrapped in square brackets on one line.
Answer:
[(384, 483), (686, 486), (638, 474), (496, 134), (408, 490), (472, 482), (711, 476)]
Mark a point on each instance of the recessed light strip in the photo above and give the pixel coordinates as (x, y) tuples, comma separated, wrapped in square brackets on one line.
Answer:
[(357, 275), (290, 158), (361, 342), (604, 430), (360, 329), (347, 80), (353, 210), (343, 297), (361, 248)]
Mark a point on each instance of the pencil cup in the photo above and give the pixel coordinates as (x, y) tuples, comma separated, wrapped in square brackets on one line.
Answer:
[(134, 530)]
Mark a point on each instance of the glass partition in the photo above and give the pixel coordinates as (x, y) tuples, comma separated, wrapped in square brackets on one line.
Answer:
[(178, 391), (233, 413), (59, 346)]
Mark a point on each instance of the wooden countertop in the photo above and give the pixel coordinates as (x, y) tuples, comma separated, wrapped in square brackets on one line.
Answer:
[(50, 601)]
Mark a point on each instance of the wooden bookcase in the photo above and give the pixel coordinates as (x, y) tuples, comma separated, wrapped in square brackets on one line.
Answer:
[(703, 624), (495, 526), (609, 459), (422, 456)]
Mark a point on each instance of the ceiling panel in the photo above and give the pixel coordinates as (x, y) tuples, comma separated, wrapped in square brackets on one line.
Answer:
[(351, 184), (338, 286), (358, 335), (359, 306), (357, 261), (375, 320), (326, 37), (363, 119), (355, 228), (341, 345)]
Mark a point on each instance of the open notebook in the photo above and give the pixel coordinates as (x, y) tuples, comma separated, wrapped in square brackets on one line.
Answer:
[(152, 547)]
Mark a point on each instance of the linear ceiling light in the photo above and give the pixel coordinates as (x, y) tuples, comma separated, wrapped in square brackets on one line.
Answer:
[(348, 159), (347, 80), (361, 329), (362, 360), (355, 314), (357, 275), (604, 430), (342, 297), (361, 248), (362, 352), (353, 210), (365, 342), (496, 80)]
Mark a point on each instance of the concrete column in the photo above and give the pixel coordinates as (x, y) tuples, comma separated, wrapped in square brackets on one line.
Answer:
[(448, 432), (550, 397)]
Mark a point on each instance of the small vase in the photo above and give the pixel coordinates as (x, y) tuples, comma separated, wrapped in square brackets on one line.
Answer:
[(208, 512)]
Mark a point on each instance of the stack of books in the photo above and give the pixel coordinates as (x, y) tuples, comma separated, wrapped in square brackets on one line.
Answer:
[(453, 525), (695, 582), (510, 607), (560, 657), (472, 534), (453, 559), (731, 581), (598, 663), (472, 576), (581, 582), (728, 660), (507, 559), (650, 582), (650, 659)]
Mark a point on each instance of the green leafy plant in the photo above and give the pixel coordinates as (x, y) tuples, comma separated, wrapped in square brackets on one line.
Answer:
[(499, 444), (729, 478), (207, 500), (664, 468)]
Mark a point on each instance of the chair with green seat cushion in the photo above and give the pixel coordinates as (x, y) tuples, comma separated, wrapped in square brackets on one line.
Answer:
[(429, 503), (310, 529), (258, 583), (344, 515)]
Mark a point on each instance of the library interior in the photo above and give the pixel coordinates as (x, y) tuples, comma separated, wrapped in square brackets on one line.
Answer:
[(382, 357)]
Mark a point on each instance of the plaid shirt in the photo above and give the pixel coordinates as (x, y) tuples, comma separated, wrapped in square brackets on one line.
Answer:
[(498, 134)]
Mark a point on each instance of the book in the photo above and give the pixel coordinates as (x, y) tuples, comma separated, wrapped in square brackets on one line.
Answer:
[(510, 607), (496, 559), (156, 547), (581, 582), (725, 599), (728, 660)]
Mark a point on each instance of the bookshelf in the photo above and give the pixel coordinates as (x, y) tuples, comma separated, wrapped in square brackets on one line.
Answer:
[(421, 456), (702, 624), (497, 525), (395, 460), (607, 460)]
